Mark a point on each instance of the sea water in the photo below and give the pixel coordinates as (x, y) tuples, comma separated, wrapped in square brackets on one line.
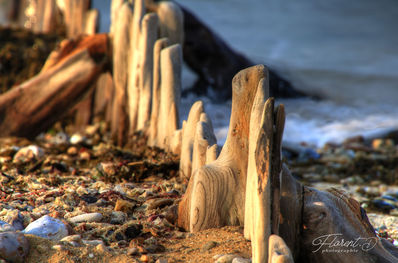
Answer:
[(343, 51)]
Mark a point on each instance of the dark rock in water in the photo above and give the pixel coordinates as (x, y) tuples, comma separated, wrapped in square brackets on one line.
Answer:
[(216, 63), (13, 246)]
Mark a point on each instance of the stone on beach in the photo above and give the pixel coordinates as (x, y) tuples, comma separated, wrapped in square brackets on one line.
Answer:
[(6, 227), (28, 153), (47, 227), (13, 246), (88, 217)]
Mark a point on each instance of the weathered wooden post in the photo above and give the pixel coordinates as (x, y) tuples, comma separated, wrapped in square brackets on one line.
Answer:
[(148, 36), (121, 43), (216, 192), (188, 136), (153, 126), (171, 20), (204, 138), (133, 89), (170, 66)]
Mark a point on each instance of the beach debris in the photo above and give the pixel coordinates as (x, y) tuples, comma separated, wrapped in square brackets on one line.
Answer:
[(87, 217), (28, 153), (13, 246), (226, 258), (209, 245), (6, 227), (47, 227)]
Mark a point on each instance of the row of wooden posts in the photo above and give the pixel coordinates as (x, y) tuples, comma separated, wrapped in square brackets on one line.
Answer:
[(143, 94), (147, 61)]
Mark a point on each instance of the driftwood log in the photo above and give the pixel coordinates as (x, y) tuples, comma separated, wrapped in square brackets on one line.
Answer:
[(35, 105)]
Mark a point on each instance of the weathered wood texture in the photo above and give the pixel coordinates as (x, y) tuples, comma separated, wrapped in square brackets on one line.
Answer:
[(291, 209), (252, 177), (204, 138), (35, 105), (104, 97), (75, 16), (121, 42), (171, 20), (156, 82), (170, 66), (265, 190), (148, 36), (115, 8), (216, 192), (188, 136), (133, 88)]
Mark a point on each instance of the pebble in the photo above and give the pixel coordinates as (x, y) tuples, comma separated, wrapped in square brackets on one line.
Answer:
[(226, 258), (383, 204), (88, 217), (108, 168), (73, 240), (241, 260), (60, 138), (209, 245), (159, 203), (132, 251), (101, 248), (13, 246), (308, 154), (179, 235), (47, 227), (126, 232), (72, 150), (58, 247), (151, 241), (118, 217), (85, 155), (77, 139), (145, 258), (93, 242), (16, 220), (42, 248), (28, 153), (124, 206), (161, 260), (6, 227), (155, 248)]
